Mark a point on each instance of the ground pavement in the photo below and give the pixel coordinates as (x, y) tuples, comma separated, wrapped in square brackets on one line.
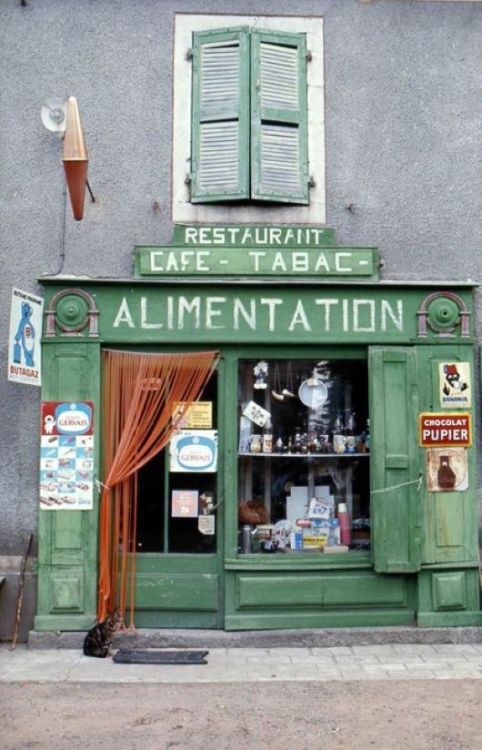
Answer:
[(234, 665)]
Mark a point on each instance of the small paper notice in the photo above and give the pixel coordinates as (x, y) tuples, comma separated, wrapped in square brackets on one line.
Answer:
[(206, 525)]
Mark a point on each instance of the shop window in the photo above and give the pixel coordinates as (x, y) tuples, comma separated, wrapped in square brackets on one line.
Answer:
[(304, 447), (249, 117), (177, 503)]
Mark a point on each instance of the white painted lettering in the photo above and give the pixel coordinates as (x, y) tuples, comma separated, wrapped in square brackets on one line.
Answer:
[(279, 263), (218, 236), (200, 264), (123, 315), (192, 307), (170, 313), (249, 316), (345, 315), (396, 318), (261, 234), (327, 304), (299, 318), (171, 264), (299, 261), (144, 323), (338, 263), (275, 235), (186, 256), (289, 236), (190, 235), (211, 311), (204, 236), (256, 255), (156, 260), (271, 302), (357, 304), (322, 263)]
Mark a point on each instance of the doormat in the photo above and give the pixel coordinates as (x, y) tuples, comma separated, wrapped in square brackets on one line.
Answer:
[(156, 656)]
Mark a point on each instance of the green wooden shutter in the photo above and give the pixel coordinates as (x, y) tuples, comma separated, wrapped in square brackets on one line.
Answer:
[(394, 460), (279, 121), (220, 116)]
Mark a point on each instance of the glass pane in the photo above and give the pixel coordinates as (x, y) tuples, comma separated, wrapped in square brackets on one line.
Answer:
[(186, 495), (304, 456)]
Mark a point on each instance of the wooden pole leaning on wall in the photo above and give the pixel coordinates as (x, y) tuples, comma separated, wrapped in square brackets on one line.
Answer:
[(21, 586)]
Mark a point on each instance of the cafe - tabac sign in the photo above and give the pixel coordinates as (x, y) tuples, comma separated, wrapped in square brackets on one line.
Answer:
[(255, 251)]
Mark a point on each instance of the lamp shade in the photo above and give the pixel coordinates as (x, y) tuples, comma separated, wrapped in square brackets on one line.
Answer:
[(75, 159)]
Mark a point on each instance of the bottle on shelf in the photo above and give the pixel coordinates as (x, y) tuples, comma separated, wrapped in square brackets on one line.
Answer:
[(279, 445), (350, 444), (297, 447), (367, 437), (345, 524), (339, 439), (267, 437)]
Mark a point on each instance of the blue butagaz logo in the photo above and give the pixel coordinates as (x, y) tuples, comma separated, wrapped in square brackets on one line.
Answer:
[(24, 338)]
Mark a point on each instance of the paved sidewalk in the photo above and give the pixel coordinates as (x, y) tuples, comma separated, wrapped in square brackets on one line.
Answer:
[(231, 665)]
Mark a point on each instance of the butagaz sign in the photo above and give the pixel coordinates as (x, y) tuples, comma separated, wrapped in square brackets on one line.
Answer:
[(445, 430), (255, 251)]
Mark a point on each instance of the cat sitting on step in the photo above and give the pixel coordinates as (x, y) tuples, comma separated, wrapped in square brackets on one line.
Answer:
[(98, 641)]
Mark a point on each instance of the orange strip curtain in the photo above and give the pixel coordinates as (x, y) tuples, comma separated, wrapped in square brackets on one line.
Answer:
[(139, 394)]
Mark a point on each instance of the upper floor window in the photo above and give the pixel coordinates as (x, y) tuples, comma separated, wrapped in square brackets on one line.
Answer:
[(249, 116), (248, 142)]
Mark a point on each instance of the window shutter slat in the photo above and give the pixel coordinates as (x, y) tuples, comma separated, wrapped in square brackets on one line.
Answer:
[(279, 123), (220, 117)]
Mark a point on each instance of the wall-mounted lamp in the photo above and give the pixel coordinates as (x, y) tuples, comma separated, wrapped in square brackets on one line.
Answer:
[(63, 118)]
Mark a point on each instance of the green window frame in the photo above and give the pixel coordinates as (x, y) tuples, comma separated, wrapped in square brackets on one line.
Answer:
[(249, 136)]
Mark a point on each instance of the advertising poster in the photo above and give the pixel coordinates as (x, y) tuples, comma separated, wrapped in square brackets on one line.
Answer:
[(455, 385), (194, 451), (184, 503), (447, 470), (24, 338), (67, 456), (199, 416), (449, 430)]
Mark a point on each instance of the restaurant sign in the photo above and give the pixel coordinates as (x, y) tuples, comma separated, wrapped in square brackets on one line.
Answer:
[(445, 430)]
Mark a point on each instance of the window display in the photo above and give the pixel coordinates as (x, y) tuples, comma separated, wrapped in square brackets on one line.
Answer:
[(304, 446)]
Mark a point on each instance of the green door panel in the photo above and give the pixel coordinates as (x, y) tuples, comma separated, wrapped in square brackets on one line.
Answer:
[(67, 575), (177, 591), (395, 496), (449, 519)]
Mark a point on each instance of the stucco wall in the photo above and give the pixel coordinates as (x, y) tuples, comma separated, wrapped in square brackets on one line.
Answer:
[(403, 156)]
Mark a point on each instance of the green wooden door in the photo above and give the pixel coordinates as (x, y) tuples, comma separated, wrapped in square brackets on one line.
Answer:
[(179, 572), (395, 490)]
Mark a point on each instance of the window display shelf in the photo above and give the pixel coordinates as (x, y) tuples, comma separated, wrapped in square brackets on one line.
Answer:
[(303, 455)]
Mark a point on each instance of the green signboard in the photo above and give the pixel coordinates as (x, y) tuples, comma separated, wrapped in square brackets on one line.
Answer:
[(255, 261), (235, 312), (253, 236)]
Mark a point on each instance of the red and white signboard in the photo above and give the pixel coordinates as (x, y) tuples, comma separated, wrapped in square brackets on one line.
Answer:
[(445, 430)]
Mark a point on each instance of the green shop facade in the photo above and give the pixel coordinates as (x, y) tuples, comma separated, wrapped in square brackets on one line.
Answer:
[(344, 491)]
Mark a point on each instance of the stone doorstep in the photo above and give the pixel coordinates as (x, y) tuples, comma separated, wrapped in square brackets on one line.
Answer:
[(322, 638)]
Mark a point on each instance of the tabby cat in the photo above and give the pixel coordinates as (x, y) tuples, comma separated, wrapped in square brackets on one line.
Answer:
[(98, 641)]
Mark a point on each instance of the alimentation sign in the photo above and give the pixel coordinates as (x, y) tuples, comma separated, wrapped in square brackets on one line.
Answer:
[(445, 430)]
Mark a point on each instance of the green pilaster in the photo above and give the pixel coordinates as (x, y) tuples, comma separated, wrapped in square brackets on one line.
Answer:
[(67, 573)]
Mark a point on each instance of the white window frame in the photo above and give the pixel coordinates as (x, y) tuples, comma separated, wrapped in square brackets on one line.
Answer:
[(185, 212)]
